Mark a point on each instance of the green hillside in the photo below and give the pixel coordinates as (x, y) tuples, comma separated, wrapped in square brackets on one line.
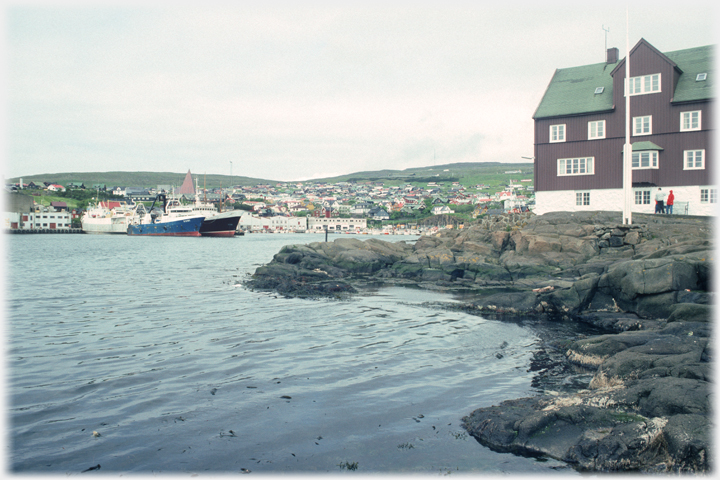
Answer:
[(136, 179), (491, 174), (467, 174)]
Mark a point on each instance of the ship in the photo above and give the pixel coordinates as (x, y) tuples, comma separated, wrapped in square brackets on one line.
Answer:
[(215, 224), (107, 217), (221, 225), (166, 223)]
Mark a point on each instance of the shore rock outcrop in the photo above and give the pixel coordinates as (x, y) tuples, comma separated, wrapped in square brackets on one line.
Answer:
[(647, 285)]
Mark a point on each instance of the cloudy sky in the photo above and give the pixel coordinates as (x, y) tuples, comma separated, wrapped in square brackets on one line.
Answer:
[(299, 90)]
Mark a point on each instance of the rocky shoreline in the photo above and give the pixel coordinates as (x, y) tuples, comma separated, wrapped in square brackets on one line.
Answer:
[(646, 285)]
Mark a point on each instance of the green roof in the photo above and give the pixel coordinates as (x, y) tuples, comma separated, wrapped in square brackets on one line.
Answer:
[(693, 61), (640, 146), (572, 90)]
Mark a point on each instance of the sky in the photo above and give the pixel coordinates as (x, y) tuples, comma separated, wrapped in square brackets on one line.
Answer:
[(300, 90)]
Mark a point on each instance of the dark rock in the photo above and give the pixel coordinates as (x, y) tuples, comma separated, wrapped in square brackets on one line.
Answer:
[(644, 404), (690, 312)]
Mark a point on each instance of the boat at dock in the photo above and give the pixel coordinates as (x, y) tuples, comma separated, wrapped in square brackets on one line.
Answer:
[(167, 222), (107, 217), (215, 223), (221, 224)]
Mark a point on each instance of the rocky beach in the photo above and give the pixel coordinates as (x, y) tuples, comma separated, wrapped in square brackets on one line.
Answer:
[(646, 286)]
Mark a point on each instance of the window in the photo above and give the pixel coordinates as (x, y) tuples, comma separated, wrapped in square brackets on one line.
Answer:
[(582, 198), (599, 90), (701, 77), (576, 166), (648, 159), (708, 195), (557, 133), (642, 125), (694, 159), (690, 121), (645, 84), (596, 130), (642, 197)]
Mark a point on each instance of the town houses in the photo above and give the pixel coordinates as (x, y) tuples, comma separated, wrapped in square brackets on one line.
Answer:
[(315, 205)]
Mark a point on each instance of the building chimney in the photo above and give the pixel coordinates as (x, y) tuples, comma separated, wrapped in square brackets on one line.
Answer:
[(612, 55)]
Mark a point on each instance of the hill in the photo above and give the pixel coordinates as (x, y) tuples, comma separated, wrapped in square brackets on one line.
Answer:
[(137, 179), (466, 174)]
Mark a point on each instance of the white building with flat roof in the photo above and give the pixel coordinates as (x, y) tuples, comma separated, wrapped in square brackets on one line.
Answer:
[(318, 224)]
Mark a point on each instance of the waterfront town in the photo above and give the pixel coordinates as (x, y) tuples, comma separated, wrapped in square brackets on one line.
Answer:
[(293, 207), (582, 110), (630, 394)]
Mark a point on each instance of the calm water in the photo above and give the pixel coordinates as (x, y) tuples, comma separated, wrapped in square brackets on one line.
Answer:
[(152, 343)]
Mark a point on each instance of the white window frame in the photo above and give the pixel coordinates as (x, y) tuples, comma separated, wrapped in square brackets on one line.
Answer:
[(642, 122), (708, 195), (645, 84), (558, 135), (576, 166), (582, 199), (596, 130), (642, 197), (687, 124), (694, 154), (650, 156)]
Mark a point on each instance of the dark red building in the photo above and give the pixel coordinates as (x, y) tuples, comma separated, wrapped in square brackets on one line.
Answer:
[(580, 133)]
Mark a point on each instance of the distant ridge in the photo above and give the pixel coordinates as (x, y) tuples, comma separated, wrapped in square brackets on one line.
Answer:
[(464, 172)]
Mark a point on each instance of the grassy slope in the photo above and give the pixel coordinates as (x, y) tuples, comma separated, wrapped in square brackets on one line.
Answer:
[(468, 174)]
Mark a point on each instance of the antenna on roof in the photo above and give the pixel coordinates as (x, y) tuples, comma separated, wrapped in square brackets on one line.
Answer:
[(606, 32)]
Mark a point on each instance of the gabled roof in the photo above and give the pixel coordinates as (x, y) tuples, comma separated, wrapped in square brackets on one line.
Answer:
[(572, 90)]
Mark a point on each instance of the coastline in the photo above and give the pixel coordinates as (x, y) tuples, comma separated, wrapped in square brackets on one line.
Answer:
[(647, 286)]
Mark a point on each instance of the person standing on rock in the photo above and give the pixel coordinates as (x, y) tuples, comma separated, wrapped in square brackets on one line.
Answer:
[(669, 203), (660, 201)]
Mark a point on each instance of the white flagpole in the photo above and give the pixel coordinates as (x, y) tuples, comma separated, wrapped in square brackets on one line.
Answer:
[(627, 150)]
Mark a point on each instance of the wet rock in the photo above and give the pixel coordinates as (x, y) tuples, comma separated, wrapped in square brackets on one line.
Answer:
[(648, 286)]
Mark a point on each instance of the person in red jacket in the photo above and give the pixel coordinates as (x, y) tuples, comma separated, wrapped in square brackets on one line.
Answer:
[(669, 203)]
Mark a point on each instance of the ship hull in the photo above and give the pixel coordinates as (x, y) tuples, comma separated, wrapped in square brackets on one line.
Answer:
[(185, 227), (102, 226), (219, 226)]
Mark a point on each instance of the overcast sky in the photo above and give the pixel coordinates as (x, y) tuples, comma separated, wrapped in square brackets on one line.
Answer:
[(299, 90)]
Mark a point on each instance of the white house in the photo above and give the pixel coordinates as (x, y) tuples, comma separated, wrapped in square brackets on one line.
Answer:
[(442, 210)]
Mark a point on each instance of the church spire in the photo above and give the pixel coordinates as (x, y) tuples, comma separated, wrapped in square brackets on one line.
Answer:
[(187, 186)]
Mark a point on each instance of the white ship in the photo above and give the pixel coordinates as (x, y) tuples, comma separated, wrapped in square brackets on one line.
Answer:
[(102, 218)]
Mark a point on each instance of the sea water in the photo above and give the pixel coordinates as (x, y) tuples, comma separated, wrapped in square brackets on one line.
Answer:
[(148, 355)]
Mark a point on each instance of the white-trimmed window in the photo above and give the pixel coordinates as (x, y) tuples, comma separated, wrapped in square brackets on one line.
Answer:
[(557, 133), (645, 84), (642, 197), (596, 130), (694, 159), (645, 159), (582, 199), (690, 121), (642, 125), (708, 195), (576, 166)]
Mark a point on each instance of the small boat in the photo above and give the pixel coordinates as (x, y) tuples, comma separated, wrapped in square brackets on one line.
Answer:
[(167, 223)]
